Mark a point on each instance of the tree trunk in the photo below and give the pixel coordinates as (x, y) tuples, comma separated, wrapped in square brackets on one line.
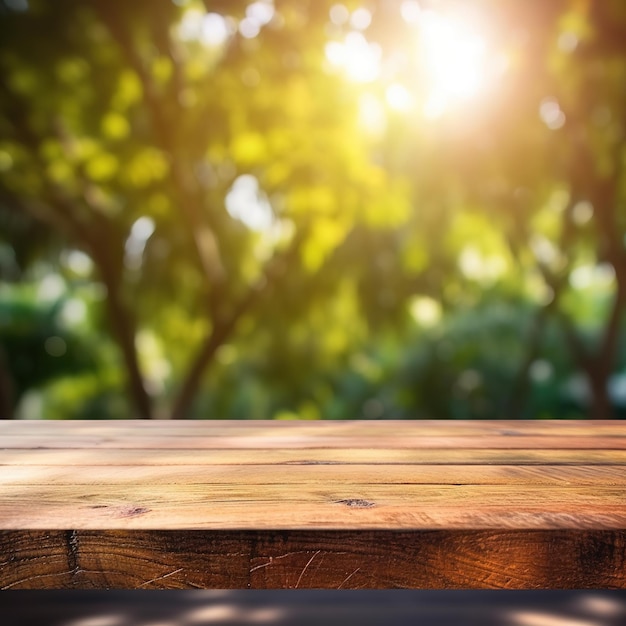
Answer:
[(599, 369), (601, 407), (599, 364), (521, 386), (191, 383), (124, 331), (7, 396)]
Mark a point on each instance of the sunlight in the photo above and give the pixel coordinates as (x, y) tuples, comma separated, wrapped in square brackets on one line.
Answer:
[(206, 613), (140, 232), (601, 605), (398, 97), (247, 203), (447, 60), (359, 58), (99, 620), (454, 58), (214, 30), (425, 311), (536, 618)]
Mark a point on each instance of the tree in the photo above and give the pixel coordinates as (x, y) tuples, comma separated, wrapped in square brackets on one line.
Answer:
[(274, 192), (128, 133), (560, 211)]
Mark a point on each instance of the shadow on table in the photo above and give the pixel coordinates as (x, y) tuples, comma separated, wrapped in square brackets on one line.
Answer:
[(425, 608)]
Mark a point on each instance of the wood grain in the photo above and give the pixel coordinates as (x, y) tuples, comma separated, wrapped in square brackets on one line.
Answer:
[(347, 504), (313, 559), (150, 441), (312, 456), (344, 475), (303, 506)]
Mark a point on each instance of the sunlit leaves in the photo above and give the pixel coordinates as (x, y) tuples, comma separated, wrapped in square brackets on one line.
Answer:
[(127, 90), (115, 126), (102, 167), (248, 149), (326, 235), (146, 166)]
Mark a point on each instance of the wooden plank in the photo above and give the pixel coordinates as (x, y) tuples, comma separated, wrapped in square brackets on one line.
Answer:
[(303, 559), (356, 507), (260, 428), (315, 456), (303, 442), (341, 475)]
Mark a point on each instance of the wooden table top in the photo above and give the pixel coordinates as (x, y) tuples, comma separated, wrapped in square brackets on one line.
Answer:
[(302, 475), (98, 479)]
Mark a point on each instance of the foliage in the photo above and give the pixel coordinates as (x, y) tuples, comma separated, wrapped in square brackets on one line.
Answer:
[(308, 209), (37, 345)]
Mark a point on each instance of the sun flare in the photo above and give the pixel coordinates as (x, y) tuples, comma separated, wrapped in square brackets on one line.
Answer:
[(453, 57), (445, 62)]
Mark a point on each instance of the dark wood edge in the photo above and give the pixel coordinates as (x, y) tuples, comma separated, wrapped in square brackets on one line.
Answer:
[(123, 559)]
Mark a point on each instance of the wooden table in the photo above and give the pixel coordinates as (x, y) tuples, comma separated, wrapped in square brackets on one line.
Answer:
[(222, 504)]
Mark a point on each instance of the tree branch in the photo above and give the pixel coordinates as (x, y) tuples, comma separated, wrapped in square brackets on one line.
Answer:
[(204, 238), (223, 328)]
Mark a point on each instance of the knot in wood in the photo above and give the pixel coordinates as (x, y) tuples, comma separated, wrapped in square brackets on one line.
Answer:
[(356, 502), (132, 511)]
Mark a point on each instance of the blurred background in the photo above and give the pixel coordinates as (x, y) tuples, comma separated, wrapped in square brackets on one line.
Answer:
[(305, 209), (312, 607)]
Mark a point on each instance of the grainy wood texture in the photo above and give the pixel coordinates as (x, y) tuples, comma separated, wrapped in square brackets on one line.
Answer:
[(221, 504)]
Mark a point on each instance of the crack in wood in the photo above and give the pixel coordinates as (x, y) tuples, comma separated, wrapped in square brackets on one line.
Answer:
[(73, 547)]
